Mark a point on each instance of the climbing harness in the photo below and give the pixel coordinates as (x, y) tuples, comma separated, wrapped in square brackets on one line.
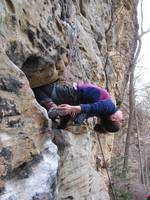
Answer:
[(111, 185)]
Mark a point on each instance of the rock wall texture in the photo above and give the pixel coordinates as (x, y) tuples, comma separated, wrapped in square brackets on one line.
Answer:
[(42, 41)]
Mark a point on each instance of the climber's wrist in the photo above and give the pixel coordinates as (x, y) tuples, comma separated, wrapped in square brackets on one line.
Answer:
[(76, 109)]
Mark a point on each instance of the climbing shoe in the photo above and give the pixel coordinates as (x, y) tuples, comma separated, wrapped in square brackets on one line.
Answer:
[(53, 113), (79, 119)]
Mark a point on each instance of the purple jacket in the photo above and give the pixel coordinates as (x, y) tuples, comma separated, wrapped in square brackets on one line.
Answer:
[(95, 100)]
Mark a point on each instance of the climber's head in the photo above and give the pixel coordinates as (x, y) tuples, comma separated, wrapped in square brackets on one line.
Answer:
[(111, 123), (117, 118)]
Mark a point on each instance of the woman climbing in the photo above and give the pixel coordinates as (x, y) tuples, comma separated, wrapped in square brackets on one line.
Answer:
[(79, 102)]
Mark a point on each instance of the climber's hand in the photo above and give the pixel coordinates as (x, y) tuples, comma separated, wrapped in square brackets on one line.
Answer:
[(66, 109)]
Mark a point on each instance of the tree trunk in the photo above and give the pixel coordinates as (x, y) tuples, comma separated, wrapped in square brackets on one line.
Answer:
[(130, 120), (131, 107), (139, 148)]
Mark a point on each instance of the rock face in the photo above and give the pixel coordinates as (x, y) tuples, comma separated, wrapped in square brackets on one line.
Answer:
[(42, 42)]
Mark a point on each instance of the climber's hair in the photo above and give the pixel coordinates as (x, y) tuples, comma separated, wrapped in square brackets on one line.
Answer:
[(106, 125)]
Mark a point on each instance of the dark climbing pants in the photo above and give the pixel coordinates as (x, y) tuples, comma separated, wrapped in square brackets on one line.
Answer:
[(59, 94)]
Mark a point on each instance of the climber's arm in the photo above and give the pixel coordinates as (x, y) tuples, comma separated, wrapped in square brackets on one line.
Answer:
[(66, 109), (102, 107), (93, 109)]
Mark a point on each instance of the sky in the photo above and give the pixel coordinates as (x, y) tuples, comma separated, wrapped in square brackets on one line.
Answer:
[(144, 63)]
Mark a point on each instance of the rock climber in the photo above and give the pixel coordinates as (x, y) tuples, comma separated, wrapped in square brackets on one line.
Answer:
[(79, 102)]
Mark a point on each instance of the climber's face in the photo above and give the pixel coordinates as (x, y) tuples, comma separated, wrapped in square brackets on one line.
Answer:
[(118, 118)]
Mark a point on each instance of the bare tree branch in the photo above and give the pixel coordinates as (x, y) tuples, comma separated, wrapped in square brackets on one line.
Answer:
[(138, 50), (144, 32), (139, 147), (141, 10), (132, 92)]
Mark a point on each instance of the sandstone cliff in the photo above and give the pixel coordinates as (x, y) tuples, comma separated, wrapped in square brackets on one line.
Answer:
[(42, 41)]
